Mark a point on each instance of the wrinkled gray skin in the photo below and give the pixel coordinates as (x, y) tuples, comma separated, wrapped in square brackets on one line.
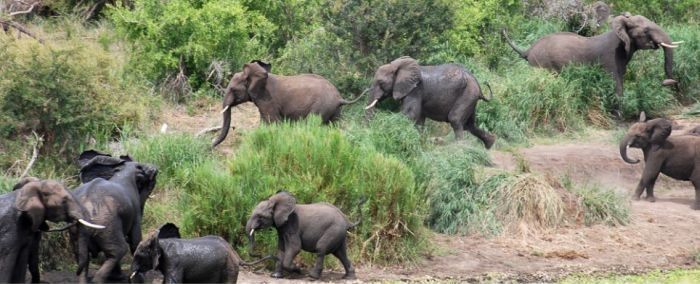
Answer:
[(114, 192), (674, 156), (319, 228), (23, 213), (208, 259), (612, 50), (445, 92), (280, 97)]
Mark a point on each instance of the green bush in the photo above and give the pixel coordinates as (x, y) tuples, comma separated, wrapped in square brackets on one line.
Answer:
[(184, 37), (68, 92), (316, 163), (602, 205)]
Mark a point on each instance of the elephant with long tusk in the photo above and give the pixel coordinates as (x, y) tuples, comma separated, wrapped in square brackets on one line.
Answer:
[(612, 50)]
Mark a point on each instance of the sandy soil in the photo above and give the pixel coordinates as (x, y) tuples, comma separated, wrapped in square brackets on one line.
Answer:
[(661, 235)]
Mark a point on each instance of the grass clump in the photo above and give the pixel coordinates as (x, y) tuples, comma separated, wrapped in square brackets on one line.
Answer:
[(602, 205), (528, 201), (316, 163)]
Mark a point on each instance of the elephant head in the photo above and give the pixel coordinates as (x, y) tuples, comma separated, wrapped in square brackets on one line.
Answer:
[(397, 79), (645, 135), (41, 201), (99, 165), (272, 212), (638, 32), (247, 85), (148, 253)]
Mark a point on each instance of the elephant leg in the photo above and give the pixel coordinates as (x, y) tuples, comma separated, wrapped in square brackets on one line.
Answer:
[(411, 107), (80, 250), (34, 258), (485, 137), (650, 190), (316, 271), (114, 251), (135, 235), (288, 262), (20, 272), (696, 204), (280, 257), (172, 276), (342, 255)]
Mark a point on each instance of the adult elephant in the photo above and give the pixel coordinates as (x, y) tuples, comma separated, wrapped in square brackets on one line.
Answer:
[(676, 156), (23, 215), (114, 192), (445, 92), (280, 97), (612, 50)]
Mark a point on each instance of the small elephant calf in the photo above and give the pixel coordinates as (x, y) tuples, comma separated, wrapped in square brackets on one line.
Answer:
[(207, 259), (319, 228)]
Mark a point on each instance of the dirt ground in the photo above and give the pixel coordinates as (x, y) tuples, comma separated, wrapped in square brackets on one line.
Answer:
[(661, 235)]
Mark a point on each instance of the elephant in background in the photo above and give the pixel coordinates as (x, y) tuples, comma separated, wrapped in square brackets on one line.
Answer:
[(319, 228), (114, 192), (23, 216), (612, 50), (280, 97), (208, 259), (676, 156), (445, 92)]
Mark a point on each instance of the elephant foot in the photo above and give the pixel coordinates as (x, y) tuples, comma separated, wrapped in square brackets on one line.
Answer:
[(349, 276), (315, 274), (489, 141), (636, 197), (695, 206), (650, 199), (276, 274)]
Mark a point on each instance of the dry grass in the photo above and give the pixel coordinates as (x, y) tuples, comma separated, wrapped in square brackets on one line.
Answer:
[(529, 203)]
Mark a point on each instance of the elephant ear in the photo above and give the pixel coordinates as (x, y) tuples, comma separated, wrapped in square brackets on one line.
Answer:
[(407, 76), (152, 247), (284, 204), (86, 156), (100, 167), (619, 25), (168, 231), (660, 129), (30, 204), (256, 78), (264, 65), (23, 182)]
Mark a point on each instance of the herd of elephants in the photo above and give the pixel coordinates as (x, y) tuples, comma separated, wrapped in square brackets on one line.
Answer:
[(104, 214)]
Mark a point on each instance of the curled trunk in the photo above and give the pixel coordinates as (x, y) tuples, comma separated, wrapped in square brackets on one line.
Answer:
[(224, 129), (624, 144)]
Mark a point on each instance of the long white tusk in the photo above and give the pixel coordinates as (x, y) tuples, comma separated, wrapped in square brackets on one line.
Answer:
[(677, 42), (132, 275), (88, 224), (668, 45), (252, 231), (372, 104), (225, 109)]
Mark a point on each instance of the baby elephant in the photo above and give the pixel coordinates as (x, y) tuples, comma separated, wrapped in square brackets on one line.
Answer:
[(207, 259), (318, 228)]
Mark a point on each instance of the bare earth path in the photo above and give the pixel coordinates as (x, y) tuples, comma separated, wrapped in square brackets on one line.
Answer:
[(665, 234)]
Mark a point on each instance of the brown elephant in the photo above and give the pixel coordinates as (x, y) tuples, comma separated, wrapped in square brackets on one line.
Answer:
[(613, 50), (446, 92), (23, 216), (280, 97), (675, 156)]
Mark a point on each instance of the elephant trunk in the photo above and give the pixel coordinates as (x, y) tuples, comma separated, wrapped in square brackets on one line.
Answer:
[(663, 39), (78, 213), (250, 232), (375, 96), (624, 144), (224, 128)]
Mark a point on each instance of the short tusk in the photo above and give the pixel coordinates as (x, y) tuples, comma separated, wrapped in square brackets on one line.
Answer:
[(372, 104), (251, 232), (225, 109), (677, 42), (133, 274), (668, 45), (88, 224)]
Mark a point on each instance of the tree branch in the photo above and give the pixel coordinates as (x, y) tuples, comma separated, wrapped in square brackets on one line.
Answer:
[(21, 29), (35, 154), (24, 12)]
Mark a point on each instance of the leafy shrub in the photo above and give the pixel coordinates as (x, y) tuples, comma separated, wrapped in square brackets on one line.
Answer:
[(315, 163), (662, 10), (65, 92), (602, 205), (184, 37)]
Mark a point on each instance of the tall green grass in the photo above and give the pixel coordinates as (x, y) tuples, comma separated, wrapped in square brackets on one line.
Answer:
[(316, 163), (601, 205)]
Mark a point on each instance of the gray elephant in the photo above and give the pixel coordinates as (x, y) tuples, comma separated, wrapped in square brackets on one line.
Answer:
[(612, 50), (280, 97), (445, 92), (676, 156), (319, 228), (114, 192), (208, 259), (23, 215)]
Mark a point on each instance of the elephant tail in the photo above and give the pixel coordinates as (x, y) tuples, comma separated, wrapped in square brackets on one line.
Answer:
[(522, 54), (346, 102), (359, 209), (243, 263), (490, 92)]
